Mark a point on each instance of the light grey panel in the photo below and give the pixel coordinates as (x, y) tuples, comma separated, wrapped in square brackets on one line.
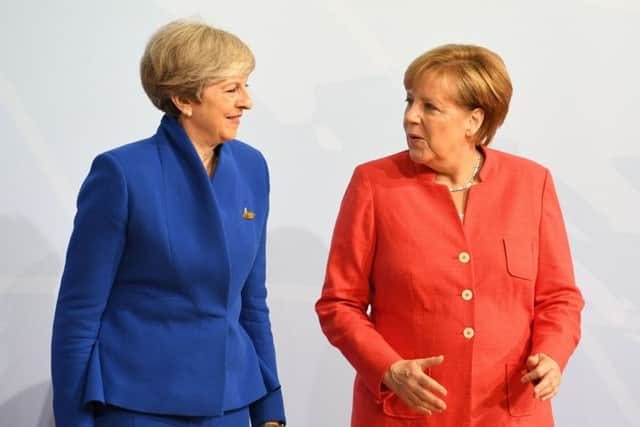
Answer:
[(327, 95)]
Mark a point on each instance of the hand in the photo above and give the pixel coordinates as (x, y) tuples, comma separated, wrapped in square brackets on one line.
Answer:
[(406, 378), (272, 424), (546, 372)]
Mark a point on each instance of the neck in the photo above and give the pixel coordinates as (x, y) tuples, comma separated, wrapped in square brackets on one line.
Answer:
[(205, 152), (203, 146), (460, 170)]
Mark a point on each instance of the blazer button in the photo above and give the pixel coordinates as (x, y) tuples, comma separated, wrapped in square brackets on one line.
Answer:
[(468, 333), (464, 257), (467, 294)]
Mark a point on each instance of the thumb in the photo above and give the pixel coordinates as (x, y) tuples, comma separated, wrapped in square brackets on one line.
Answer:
[(533, 360), (428, 362)]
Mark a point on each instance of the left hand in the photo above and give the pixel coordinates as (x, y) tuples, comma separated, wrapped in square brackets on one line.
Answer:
[(272, 424), (546, 372)]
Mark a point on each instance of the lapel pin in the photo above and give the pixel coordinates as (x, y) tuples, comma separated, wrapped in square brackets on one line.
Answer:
[(247, 214)]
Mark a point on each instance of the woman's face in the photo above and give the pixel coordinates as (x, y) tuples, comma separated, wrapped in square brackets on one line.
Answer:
[(217, 117), (437, 128)]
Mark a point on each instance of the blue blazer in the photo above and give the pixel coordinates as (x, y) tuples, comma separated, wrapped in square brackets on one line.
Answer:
[(162, 305)]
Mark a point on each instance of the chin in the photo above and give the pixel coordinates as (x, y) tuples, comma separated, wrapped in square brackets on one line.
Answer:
[(229, 136), (418, 156)]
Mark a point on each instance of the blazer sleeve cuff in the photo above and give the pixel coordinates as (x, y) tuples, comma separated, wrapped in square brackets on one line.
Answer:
[(376, 384), (269, 408), (555, 351), (371, 364)]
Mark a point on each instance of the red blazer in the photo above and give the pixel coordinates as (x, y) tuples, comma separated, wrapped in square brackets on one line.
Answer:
[(486, 294)]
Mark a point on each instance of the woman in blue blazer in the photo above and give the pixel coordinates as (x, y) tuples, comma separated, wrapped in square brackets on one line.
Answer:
[(161, 317)]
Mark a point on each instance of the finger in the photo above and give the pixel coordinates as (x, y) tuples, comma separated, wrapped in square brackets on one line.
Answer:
[(549, 383), (547, 394), (428, 399), (539, 372), (551, 395), (427, 409), (428, 382), (420, 396), (531, 376), (417, 404), (544, 391), (532, 361), (546, 382), (428, 362), (422, 409)]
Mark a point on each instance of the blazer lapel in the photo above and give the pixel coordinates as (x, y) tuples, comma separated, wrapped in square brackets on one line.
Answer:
[(194, 220), (241, 216)]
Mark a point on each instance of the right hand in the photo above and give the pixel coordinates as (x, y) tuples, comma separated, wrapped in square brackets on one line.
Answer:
[(407, 379)]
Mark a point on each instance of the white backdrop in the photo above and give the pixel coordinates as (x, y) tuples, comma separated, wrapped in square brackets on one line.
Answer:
[(327, 95)]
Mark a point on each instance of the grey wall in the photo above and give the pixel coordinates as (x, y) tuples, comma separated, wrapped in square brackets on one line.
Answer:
[(328, 94)]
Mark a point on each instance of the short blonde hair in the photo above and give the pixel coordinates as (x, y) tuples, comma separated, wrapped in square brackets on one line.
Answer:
[(479, 77), (183, 57)]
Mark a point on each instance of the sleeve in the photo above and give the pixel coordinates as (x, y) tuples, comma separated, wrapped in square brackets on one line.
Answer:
[(254, 317), (342, 307), (558, 301), (93, 257)]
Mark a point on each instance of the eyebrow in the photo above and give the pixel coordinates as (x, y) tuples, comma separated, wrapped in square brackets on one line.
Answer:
[(425, 98)]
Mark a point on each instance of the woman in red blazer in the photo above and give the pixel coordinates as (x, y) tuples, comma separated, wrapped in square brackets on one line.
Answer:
[(449, 284)]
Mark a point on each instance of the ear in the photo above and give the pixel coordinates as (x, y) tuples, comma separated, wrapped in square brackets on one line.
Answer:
[(474, 122), (184, 105)]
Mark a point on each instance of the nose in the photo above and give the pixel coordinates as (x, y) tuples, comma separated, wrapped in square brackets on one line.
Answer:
[(244, 101), (411, 114)]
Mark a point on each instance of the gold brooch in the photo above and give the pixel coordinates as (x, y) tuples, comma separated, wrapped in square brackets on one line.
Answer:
[(247, 214)]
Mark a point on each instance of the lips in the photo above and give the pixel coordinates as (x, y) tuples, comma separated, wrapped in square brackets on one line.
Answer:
[(235, 119), (415, 139)]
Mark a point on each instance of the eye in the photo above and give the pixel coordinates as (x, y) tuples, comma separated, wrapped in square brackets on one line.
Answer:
[(408, 100), (429, 106), (232, 90)]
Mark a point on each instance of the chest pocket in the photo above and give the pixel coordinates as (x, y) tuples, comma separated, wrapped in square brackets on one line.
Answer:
[(520, 257)]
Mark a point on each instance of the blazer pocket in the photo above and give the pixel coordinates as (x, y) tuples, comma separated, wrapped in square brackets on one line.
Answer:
[(519, 396), (519, 254), (395, 407)]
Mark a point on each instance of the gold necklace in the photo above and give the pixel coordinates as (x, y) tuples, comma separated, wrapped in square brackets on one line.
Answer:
[(469, 183)]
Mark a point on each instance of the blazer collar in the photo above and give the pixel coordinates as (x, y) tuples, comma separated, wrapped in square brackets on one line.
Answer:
[(175, 134)]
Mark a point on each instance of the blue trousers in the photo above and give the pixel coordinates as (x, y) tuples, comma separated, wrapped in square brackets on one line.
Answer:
[(118, 417)]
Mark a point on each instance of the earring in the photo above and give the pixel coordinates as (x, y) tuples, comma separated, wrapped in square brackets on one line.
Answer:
[(188, 113)]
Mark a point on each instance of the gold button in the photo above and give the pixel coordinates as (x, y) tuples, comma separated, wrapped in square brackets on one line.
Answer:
[(464, 257), (468, 333), (467, 294)]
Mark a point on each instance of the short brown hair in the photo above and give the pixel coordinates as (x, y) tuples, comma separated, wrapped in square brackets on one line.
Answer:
[(183, 57), (479, 76)]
